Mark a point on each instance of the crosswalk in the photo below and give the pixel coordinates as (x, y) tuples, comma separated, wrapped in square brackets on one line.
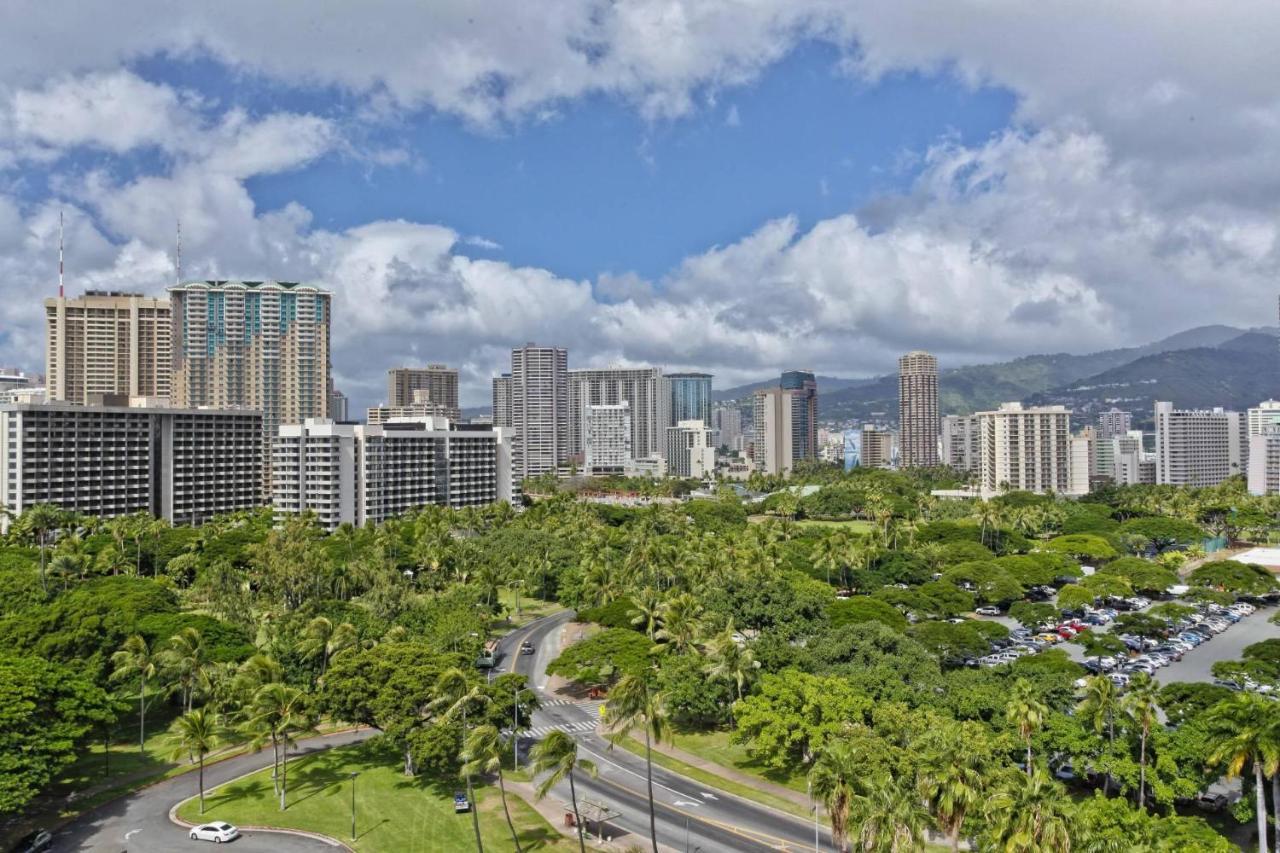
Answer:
[(587, 703), (567, 728)]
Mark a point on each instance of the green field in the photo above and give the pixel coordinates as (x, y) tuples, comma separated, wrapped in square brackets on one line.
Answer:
[(852, 525), (394, 813)]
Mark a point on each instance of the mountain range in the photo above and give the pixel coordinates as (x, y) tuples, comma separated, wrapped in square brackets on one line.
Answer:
[(1201, 367)]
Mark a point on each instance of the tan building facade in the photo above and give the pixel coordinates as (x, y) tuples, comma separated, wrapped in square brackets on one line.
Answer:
[(437, 380), (918, 409), (107, 342)]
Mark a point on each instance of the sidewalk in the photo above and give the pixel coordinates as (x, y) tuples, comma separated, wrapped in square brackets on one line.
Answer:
[(553, 811)]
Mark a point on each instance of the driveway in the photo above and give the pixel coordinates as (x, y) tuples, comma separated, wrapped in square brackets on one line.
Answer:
[(139, 823)]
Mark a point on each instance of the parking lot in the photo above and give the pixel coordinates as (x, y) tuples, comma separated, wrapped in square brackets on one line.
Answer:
[(1229, 645)]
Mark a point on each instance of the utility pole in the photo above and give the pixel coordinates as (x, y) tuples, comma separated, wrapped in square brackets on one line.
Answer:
[(354, 774)]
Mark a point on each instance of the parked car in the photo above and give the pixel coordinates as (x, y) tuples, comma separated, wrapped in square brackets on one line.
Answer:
[(460, 802), (215, 832), (1119, 679), (988, 610), (1213, 802), (34, 842)]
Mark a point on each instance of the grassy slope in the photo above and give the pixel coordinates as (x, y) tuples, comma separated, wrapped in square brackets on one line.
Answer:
[(394, 813)]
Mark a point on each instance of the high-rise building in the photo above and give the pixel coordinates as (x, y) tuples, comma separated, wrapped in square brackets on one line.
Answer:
[(440, 383), (644, 388), (1264, 416), (539, 409), (262, 345), (1025, 449), (804, 417), (502, 400), (961, 445), (358, 473), (1264, 462), (690, 397), (773, 431), (608, 438), (918, 409), (726, 421), (1081, 470), (107, 342), (877, 447), (1131, 464), (184, 465), (337, 403), (1199, 447), (1114, 422), (690, 450), (420, 407)]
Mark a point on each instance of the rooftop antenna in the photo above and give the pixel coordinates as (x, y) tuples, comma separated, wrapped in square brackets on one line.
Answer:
[(61, 292), (177, 258)]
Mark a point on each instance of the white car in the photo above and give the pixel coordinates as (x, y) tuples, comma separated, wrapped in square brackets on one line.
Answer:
[(988, 610), (215, 832)]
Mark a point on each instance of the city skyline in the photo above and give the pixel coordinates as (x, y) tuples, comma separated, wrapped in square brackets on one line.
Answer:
[(778, 173)]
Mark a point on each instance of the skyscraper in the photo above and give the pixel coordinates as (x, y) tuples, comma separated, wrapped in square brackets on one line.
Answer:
[(961, 448), (502, 400), (774, 433), (107, 342), (257, 344), (644, 388), (690, 452), (539, 409), (1199, 447), (690, 397), (1114, 422), (440, 383), (1025, 449), (918, 409), (608, 438), (804, 417)]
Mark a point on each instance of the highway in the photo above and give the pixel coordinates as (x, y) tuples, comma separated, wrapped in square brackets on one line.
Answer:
[(690, 817)]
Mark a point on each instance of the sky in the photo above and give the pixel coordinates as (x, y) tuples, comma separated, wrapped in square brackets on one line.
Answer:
[(737, 186)]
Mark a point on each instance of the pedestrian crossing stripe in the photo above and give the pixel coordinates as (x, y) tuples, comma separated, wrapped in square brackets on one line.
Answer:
[(567, 728), (560, 702)]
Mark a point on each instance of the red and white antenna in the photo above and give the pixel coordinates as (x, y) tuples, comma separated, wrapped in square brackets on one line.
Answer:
[(61, 292)]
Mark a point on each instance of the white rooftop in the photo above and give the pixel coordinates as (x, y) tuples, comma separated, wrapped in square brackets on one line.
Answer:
[(1269, 557)]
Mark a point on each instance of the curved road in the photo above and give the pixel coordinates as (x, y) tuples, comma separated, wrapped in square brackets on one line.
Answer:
[(689, 815), (139, 823)]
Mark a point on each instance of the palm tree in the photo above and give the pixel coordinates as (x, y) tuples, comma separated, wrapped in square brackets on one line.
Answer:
[(989, 517), (632, 703), (835, 779), (456, 694), (952, 776), (1027, 712), (38, 522), (135, 659), (681, 617), (730, 661), (66, 566), (1030, 815), (322, 640), (278, 713), (195, 733), (1099, 708), (831, 553), (482, 753), (890, 817), (1241, 730), (1140, 702), (646, 610), (557, 756), (185, 661)]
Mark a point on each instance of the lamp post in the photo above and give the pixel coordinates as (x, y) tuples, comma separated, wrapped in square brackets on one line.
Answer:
[(354, 774), (515, 728)]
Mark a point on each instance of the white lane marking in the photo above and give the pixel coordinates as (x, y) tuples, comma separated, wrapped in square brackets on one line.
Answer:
[(634, 773), (685, 803), (131, 833), (707, 795)]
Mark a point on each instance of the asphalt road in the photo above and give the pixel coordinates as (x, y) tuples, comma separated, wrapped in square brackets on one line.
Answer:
[(139, 823), (1229, 645), (688, 815)]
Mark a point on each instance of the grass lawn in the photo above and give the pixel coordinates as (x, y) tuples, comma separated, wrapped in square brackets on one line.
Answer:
[(530, 609), (852, 525), (394, 813)]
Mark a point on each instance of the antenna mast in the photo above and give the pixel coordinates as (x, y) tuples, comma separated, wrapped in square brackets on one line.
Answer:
[(61, 292)]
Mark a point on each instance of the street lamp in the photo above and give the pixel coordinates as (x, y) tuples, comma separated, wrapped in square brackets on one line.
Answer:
[(354, 774)]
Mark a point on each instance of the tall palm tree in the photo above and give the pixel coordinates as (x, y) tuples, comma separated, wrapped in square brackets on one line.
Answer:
[(278, 713), (1029, 815), (323, 640), (1027, 712), (1239, 731), (39, 522), (1140, 703), (952, 776), (835, 779), (729, 661), (989, 517), (557, 756), (185, 660), (1099, 708), (633, 704), (195, 733), (482, 753), (646, 611), (890, 817), (135, 659), (681, 617), (831, 553), (454, 693)]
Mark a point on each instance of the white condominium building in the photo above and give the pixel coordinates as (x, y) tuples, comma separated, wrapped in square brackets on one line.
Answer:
[(774, 431), (1198, 447), (502, 400), (539, 409), (726, 420), (1264, 416), (1082, 461), (1264, 463), (961, 445), (1114, 422), (107, 342), (645, 389), (1130, 464), (1025, 449), (608, 438), (690, 450), (184, 465), (357, 473)]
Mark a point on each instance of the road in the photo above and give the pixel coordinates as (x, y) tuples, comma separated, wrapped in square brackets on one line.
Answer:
[(139, 823), (688, 815)]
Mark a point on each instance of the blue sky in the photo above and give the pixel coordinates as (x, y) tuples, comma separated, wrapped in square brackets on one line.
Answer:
[(734, 187)]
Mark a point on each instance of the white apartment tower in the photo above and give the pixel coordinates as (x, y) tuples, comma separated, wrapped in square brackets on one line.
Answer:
[(502, 400), (539, 409), (727, 423), (1264, 416), (773, 425), (690, 450), (1025, 449), (608, 438), (1198, 447), (644, 389), (1264, 463), (107, 342), (1114, 422), (961, 445), (918, 409)]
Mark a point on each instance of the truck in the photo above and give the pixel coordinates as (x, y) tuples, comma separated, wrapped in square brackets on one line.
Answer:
[(488, 656)]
